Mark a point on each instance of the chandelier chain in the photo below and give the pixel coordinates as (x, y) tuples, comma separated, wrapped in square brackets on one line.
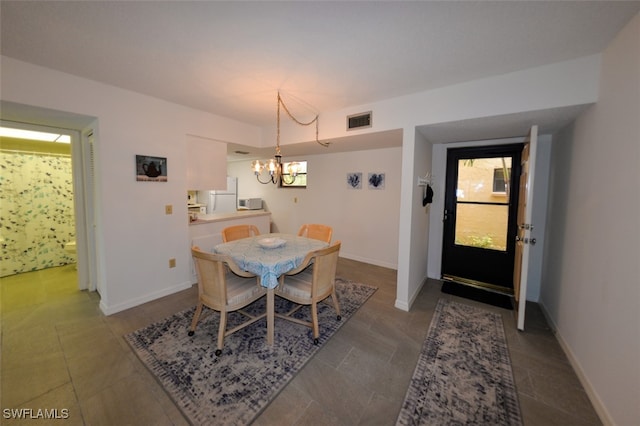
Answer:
[(275, 166), (281, 102), (315, 120)]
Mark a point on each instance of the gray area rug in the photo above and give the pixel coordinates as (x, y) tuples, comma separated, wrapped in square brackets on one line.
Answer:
[(463, 375), (234, 388)]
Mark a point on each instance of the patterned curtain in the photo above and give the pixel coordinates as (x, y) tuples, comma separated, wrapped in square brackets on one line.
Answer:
[(36, 211)]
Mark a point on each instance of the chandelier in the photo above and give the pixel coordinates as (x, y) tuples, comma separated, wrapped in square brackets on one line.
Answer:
[(274, 166)]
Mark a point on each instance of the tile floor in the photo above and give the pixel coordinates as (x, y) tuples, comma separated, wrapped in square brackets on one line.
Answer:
[(60, 352)]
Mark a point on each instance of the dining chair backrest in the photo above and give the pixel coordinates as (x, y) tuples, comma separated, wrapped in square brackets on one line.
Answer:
[(325, 264), (212, 270), (309, 284), (223, 286), (316, 231), (318, 268), (237, 232)]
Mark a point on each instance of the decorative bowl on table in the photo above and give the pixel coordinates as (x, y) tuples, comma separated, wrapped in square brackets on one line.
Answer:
[(271, 242)]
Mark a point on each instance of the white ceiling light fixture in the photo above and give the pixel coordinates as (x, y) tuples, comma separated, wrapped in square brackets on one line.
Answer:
[(34, 135), (274, 165)]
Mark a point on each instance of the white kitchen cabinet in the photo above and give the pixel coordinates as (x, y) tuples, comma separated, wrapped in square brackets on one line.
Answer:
[(206, 164), (206, 232)]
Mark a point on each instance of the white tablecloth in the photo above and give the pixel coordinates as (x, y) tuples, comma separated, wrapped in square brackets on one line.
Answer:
[(269, 263)]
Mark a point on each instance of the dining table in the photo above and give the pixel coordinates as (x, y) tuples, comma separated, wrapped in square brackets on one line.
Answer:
[(268, 256)]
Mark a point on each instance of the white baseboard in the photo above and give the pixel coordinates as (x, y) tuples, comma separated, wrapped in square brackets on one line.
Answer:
[(597, 403), (110, 310), (369, 261), (402, 305), (406, 306)]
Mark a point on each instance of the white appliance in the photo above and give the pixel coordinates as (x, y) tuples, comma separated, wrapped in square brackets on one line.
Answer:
[(221, 201), (250, 203)]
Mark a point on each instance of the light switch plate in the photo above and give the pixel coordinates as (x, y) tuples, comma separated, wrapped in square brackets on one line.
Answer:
[(168, 209)]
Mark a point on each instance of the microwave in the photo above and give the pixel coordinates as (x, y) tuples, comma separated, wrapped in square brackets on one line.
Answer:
[(249, 203)]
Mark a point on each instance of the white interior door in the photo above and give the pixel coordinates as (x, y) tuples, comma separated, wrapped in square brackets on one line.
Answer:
[(90, 191), (525, 239), (84, 191)]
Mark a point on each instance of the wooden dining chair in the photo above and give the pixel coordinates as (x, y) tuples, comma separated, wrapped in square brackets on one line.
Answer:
[(316, 231), (310, 283), (237, 232), (224, 287)]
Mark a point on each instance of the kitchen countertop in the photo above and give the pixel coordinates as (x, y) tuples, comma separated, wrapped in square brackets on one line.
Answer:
[(219, 217)]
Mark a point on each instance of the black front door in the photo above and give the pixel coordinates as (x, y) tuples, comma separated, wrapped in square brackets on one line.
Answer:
[(480, 215)]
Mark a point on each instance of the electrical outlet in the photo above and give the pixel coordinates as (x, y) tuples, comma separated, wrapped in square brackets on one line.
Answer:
[(172, 263), (168, 209)]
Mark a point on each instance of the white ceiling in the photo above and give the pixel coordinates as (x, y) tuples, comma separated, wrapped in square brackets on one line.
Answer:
[(231, 58)]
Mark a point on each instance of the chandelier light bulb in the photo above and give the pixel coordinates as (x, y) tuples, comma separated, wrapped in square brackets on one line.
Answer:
[(293, 169), (272, 166), (257, 166)]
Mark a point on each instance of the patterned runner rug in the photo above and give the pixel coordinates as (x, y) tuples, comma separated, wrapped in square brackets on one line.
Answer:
[(234, 388), (463, 375)]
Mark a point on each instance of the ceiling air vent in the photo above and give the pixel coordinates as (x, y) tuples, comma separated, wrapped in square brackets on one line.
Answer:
[(359, 121)]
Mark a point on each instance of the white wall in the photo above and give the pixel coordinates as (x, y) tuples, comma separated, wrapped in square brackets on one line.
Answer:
[(365, 220), (414, 221), (135, 236), (591, 284), (562, 84)]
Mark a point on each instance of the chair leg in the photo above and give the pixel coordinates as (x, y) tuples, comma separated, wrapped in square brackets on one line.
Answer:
[(336, 305), (196, 318), (314, 322), (221, 331)]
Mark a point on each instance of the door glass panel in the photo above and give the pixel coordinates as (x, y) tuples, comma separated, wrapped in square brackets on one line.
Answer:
[(484, 179), (482, 226), (482, 202)]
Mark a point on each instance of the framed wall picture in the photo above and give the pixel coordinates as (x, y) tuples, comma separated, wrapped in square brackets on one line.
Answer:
[(376, 180), (354, 180), (151, 169)]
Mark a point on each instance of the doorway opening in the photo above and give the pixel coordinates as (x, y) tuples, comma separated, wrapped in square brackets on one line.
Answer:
[(37, 193), (480, 217), (52, 199)]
